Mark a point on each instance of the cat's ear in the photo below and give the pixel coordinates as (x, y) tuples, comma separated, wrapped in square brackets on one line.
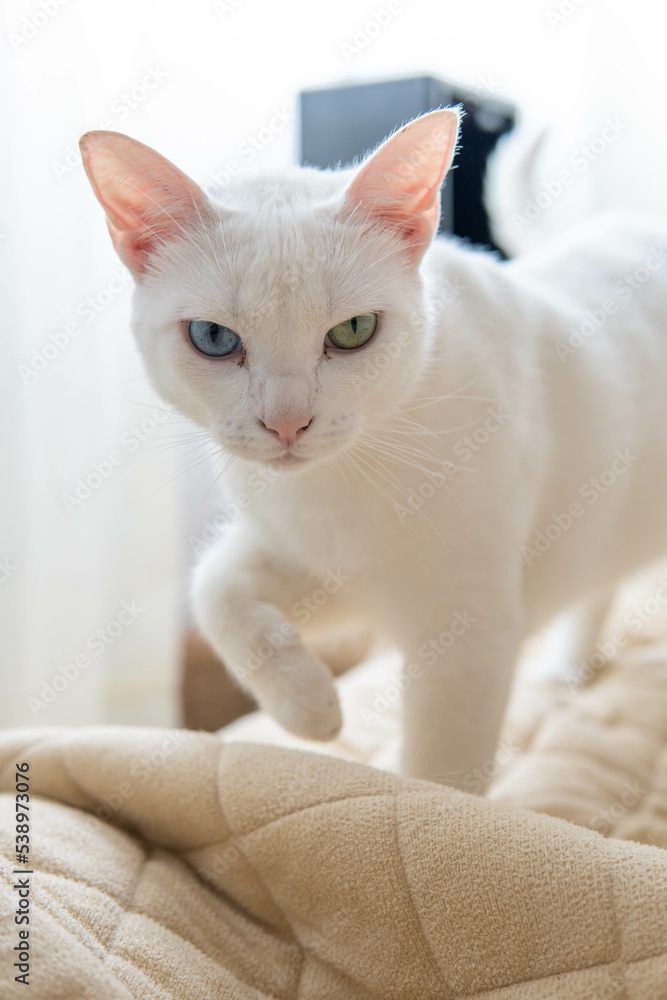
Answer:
[(399, 185), (146, 198)]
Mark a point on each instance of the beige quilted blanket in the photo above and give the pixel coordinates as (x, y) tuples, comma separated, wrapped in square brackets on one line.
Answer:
[(171, 864)]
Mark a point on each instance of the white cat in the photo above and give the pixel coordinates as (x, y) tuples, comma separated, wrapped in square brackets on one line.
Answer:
[(429, 441)]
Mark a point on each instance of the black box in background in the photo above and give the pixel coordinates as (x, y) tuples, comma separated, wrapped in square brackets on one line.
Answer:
[(341, 124)]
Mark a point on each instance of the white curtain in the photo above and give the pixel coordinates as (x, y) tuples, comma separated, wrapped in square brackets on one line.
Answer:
[(91, 604), (92, 583)]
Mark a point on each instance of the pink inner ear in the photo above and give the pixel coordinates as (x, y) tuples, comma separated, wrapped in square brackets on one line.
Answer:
[(399, 186), (146, 198)]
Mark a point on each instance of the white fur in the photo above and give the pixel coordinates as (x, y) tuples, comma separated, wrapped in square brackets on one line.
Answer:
[(462, 336)]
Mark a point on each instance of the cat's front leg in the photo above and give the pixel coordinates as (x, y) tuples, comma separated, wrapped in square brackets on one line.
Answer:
[(240, 596), (459, 661)]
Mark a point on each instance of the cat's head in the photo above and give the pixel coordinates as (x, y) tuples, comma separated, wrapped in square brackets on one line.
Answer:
[(287, 316)]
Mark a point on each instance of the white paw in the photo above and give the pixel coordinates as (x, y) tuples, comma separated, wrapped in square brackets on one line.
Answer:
[(298, 691)]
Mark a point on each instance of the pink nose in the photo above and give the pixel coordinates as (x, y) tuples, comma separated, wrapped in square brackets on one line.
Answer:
[(287, 431)]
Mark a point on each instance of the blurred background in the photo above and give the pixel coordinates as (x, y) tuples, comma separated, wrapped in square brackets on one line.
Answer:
[(105, 499)]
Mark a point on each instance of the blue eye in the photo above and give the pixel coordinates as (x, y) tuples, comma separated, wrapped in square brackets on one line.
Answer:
[(212, 339)]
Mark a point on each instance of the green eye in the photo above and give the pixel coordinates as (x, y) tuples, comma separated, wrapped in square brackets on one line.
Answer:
[(353, 332)]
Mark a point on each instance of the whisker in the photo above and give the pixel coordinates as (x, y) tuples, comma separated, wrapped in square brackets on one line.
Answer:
[(404, 459), (182, 472), (419, 510)]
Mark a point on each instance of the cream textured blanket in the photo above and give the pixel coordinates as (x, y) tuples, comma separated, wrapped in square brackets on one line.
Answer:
[(172, 864)]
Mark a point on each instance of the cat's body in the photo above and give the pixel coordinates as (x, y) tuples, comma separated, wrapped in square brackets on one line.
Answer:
[(468, 473)]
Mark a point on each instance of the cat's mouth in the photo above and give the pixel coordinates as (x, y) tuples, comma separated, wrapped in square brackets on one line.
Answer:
[(314, 452), (286, 461), (298, 456), (286, 458)]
